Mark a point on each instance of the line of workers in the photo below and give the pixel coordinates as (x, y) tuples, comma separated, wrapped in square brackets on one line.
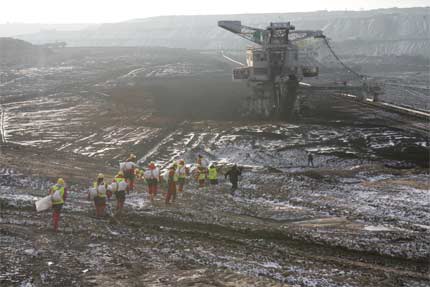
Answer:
[(123, 183)]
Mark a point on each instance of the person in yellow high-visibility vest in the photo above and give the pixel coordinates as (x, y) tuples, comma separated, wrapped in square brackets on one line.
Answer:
[(58, 196), (120, 191), (201, 176), (213, 174), (182, 173)]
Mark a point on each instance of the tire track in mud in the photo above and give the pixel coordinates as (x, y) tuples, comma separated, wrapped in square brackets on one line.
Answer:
[(298, 248), (2, 123), (278, 246), (287, 248), (175, 144), (167, 139)]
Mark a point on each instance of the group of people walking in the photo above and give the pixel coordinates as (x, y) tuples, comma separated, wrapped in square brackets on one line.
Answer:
[(173, 179)]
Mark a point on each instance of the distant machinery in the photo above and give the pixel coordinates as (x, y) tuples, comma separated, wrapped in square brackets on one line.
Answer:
[(273, 68), (276, 66)]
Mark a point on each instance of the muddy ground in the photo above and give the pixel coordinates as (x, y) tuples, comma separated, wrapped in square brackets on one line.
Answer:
[(360, 217)]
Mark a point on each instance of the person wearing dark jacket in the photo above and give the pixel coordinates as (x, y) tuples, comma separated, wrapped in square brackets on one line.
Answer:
[(171, 183), (310, 159), (233, 175)]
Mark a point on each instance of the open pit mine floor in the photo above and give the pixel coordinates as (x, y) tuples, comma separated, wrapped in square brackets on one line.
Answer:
[(360, 217), (355, 219)]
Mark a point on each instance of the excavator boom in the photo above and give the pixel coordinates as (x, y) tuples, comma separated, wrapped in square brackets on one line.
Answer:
[(305, 34), (255, 35), (262, 37)]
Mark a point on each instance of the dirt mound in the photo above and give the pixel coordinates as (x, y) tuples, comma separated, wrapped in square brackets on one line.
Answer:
[(19, 52)]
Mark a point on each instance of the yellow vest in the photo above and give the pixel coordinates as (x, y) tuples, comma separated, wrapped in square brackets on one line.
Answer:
[(61, 189), (202, 175), (119, 179), (213, 174)]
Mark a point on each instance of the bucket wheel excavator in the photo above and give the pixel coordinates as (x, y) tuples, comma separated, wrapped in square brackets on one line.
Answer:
[(275, 66)]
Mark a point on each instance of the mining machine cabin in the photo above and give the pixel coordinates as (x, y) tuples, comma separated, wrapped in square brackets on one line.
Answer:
[(273, 68)]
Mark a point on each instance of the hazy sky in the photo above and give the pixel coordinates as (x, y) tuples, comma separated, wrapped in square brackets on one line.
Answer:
[(96, 11)]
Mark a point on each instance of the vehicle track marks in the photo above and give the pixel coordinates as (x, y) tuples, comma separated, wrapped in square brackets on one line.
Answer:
[(2, 124)]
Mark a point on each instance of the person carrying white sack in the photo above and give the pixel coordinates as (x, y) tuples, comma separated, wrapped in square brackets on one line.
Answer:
[(128, 168), (152, 177), (58, 196), (100, 199), (118, 187)]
